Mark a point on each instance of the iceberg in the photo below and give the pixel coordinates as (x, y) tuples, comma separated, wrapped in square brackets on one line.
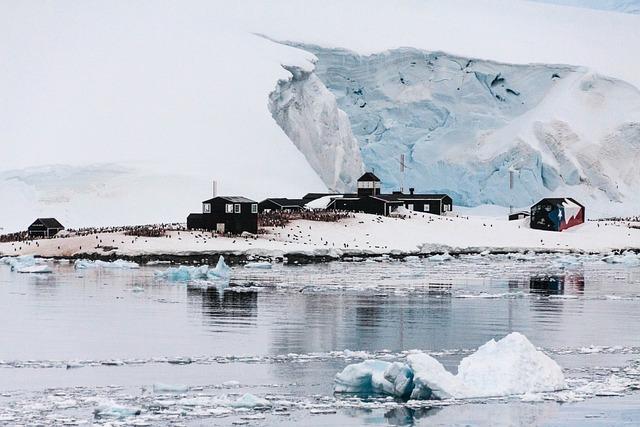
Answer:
[(510, 366), (82, 264), (185, 273)]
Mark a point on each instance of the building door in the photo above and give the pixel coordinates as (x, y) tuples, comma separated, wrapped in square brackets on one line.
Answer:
[(220, 227), (410, 206)]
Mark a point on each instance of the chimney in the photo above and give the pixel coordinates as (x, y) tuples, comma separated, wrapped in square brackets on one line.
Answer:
[(411, 190), (215, 188)]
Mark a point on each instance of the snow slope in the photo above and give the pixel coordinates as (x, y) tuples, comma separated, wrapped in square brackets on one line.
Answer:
[(180, 92)]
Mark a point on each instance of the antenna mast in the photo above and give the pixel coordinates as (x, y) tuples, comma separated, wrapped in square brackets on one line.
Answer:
[(402, 173)]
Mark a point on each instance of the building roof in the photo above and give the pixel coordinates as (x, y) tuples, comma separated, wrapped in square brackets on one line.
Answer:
[(48, 222), (413, 196), (232, 199), (314, 196), (369, 176), (283, 202), (559, 200)]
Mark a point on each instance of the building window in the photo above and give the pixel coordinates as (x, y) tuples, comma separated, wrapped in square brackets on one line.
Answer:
[(206, 208), (254, 208), (236, 208), (427, 207), (228, 208)]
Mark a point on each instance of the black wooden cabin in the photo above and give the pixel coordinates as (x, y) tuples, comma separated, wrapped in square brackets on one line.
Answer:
[(281, 204), (226, 214), (45, 227)]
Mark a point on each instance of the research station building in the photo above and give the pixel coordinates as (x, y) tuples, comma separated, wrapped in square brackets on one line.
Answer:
[(226, 214)]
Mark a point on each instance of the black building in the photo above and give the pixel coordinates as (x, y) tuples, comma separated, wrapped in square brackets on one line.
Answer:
[(518, 215), (226, 214), (556, 214), (368, 204), (45, 227), (370, 200), (281, 204)]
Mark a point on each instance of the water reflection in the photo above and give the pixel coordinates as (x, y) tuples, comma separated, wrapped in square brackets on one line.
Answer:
[(405, 416), (572, 283), (225, 303)]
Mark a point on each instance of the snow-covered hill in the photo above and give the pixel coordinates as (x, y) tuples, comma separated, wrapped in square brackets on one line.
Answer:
[(179, 94)]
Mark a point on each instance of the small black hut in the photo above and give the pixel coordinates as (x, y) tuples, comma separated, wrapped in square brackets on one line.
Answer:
[(226, 214), (45, 227)]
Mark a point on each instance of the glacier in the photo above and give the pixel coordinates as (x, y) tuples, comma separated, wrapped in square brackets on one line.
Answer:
[(463, 124), (309, 115), (623, 6)]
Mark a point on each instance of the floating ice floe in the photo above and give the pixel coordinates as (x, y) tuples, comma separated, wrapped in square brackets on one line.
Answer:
[(510, 366), (38, 268), (627, 258), (258, 264), (170, 388), (440, 257), (185, 273), (26, 264), (113, 410), (248, 400), (82, 264)]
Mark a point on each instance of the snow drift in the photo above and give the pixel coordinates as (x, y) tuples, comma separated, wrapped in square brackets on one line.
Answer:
[(510, 366)]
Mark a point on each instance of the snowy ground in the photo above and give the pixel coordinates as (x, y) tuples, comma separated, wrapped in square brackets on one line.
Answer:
[(363, 234)]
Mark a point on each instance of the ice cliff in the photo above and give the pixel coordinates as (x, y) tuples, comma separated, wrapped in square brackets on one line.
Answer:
[(463, 124), (309, 114)]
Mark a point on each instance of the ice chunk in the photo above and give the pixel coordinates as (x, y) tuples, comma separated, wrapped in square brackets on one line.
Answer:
[(258, 264), (38, 268), (248, 400), (82, 264), (221, 269), (627, 258), (440, 257), (375, 377), (19, 262), (113, 410), (185, 273), (510, 366), (506, 367), (170, 388)]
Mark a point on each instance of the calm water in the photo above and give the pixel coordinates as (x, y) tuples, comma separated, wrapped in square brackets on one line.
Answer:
[(72, 340)]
